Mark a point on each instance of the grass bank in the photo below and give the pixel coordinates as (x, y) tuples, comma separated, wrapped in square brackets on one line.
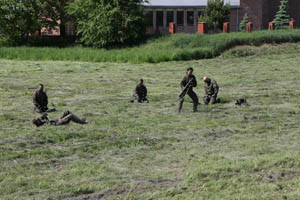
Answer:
[(148, 151), (179, 47)]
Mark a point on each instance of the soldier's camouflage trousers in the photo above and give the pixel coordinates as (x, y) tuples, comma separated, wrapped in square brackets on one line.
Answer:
[(67, 117), (210, 99), (195, 99)]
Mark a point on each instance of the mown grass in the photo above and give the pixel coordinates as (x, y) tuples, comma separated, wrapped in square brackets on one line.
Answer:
[(179, 47), (148, 151)]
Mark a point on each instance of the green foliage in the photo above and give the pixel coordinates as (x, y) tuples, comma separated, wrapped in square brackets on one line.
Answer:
[(106, 23), (169, 48), (282, 17), (217, 13), (243, 24), (20, 19)]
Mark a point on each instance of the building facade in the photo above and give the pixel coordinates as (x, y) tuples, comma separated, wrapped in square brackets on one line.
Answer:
[(185, 13)]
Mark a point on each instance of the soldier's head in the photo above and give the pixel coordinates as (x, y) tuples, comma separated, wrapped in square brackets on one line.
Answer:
[(40, 87), (189, 70), (206, 79), (141, 81)]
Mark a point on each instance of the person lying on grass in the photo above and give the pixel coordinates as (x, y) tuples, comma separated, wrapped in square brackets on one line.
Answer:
[(66, 118)]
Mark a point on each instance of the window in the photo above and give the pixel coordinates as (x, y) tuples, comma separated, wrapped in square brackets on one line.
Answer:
[(190, 17), (170, 17), (149, 18), (159, 18), (180, 17)]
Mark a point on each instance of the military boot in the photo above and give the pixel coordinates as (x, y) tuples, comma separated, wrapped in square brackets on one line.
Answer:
[(180, 106), (195, 107)]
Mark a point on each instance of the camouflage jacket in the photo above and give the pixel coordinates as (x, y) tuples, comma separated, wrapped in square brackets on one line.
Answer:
[(211, 88), (40, 99), (186, 79), (140, 91)]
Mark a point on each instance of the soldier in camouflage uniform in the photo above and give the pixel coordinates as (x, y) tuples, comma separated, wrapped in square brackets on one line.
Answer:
[(40, 99), (211, 89), (189, 75), (140, 93), (66, 118)]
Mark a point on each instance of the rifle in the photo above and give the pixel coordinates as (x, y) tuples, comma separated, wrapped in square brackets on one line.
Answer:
[(186, 89)]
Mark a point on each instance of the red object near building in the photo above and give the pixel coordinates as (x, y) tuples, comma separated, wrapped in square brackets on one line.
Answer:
[(292, 24), (202, 28), (172, 28), (249, 27), (226, 27), (271, 25)]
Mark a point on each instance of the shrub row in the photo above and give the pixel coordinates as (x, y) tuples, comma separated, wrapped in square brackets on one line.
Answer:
[(178, 47)]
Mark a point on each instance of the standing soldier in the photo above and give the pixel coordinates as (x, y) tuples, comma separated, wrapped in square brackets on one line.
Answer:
[(211, 89), (40, 99), (140, 93), (189, 78)]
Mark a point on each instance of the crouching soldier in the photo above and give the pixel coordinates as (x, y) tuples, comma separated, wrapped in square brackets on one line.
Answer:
[(140, 93), (66, 118), (211, 89), (189, 80), (40, 99)]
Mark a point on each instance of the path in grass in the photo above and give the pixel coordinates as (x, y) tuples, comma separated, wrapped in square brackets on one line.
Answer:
[(148, 151)]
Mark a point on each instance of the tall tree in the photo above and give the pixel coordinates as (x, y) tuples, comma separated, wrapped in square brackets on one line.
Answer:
[(108, 23), (217, 12), (21, 18), (282, 17)]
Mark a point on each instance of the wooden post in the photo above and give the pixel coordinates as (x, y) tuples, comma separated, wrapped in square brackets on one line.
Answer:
[(185, 20), (292, 24), (195, 20), (249, 27), (165, 20), (226, 27), (202, 28), (172, 29), (271, 25), (154, 21)]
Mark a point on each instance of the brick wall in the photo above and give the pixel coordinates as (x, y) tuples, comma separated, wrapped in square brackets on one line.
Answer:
[(294, 10)]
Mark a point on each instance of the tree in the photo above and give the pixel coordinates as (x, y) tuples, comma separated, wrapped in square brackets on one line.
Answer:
[(20, 19), (108, 23), (243, 24), (217, 13), (282, 17)]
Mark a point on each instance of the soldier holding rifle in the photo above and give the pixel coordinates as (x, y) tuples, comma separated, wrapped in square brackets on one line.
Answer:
[(188, 82)]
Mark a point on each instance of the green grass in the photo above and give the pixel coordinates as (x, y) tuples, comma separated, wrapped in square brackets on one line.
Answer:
[(148, 151), (179, 47)]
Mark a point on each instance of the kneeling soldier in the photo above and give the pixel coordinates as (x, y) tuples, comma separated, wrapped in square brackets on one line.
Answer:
[(186, 79), (40, 99), (140, 93), (211, 91)]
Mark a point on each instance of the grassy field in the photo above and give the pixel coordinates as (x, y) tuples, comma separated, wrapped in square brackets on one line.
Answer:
[(178, 47), (148, 151)]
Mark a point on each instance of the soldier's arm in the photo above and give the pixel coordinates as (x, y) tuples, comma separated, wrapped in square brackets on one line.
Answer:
[(182, 83), (46, 99), (34, 99), (145, 91), (216, 88), (194, 82)]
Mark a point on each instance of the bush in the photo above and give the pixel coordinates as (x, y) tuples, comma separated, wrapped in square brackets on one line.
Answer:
[(168, 48)]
